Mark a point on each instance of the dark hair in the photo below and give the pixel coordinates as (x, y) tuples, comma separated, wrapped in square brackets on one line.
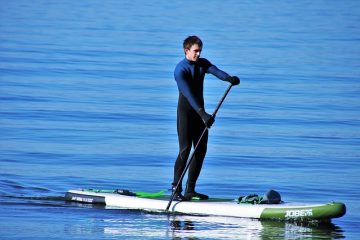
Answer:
[(191, 40)]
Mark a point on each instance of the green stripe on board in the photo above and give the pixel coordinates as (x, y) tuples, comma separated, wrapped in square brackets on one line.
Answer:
[(138, 194), (323, 212), (150, 195)]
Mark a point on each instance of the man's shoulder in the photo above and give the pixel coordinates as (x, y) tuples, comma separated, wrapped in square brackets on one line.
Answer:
[(204, 61), (183, 64)]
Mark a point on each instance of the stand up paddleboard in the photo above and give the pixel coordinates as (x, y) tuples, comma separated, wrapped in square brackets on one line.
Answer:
[(157, 202)]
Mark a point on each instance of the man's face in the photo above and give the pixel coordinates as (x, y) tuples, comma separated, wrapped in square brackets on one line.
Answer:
[(193, 53)]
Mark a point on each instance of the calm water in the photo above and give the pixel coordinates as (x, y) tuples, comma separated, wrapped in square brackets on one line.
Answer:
[(88, 100)]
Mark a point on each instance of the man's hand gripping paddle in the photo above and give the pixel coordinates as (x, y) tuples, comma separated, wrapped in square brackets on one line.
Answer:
[(197, 144)]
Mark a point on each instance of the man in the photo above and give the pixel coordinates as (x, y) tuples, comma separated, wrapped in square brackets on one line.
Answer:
[(192, 118)]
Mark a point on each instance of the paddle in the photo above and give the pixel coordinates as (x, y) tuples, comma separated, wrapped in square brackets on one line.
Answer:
[(193, 153)]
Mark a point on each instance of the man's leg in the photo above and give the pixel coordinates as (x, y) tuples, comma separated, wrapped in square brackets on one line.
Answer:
[(196, 164), (184, 137)]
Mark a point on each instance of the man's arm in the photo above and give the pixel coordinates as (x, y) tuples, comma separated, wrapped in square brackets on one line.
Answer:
[(184, 88), (218, 73), (223, 75)]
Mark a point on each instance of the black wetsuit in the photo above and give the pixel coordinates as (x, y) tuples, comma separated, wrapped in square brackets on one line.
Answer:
[(189, 77)]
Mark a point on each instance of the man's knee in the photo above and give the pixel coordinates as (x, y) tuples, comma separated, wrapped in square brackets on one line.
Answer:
[(184, 152)]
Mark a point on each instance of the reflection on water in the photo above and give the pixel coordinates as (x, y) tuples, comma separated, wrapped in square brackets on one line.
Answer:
[(288, 230), (194, 227), (208, 227)]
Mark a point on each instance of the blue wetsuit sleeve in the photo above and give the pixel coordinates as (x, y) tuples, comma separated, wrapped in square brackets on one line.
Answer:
[(184, 88), (217, 72)]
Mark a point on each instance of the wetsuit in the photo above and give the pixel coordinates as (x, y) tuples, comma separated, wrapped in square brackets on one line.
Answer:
[(189, 77)]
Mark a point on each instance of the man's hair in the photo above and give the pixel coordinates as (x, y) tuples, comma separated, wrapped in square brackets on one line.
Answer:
[(191, 40)]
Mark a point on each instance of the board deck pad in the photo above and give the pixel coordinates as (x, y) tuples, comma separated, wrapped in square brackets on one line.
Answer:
[(157, 202), (153, 195)]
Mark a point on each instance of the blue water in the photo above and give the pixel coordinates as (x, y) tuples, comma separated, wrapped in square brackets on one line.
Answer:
[(88, 100)]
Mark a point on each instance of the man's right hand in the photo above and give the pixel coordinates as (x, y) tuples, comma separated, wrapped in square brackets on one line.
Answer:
[(207, 118), (234, 80)]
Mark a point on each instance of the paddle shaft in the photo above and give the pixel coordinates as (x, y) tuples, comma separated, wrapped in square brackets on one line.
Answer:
[(196, 146)]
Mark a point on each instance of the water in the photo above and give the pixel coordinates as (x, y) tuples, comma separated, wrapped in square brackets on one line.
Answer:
[(88, 100)]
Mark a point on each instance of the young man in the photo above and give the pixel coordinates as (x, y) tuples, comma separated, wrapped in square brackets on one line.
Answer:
[(192, 118)]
